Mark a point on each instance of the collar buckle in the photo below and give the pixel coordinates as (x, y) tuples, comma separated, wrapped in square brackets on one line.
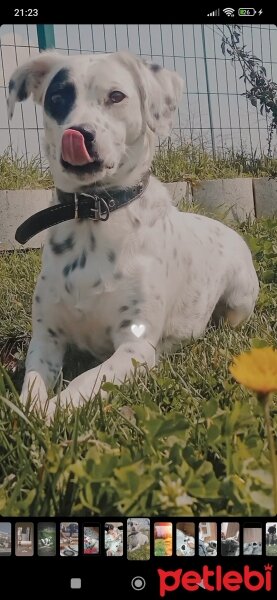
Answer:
[(99, 212), (76, 207)]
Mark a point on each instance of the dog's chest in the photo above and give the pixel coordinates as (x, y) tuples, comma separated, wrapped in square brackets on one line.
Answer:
[(86, 285)]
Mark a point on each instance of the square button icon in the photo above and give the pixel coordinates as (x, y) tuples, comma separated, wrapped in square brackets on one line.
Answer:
[(76, 583)]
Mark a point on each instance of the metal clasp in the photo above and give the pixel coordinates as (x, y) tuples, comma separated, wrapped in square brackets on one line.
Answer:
[(101, 216), (98, 214), (76, 207)]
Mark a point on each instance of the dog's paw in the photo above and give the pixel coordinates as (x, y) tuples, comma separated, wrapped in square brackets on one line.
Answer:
[(71, 397), (34, 390)]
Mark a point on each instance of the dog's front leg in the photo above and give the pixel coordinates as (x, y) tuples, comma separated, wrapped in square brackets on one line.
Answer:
[(43, 363), (115, 369)]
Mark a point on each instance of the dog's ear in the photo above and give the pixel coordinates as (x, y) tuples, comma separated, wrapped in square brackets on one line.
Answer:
[(160, 91), (29, 79), (163, 93)]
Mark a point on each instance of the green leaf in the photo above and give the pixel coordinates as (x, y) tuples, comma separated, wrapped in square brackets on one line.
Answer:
[(210, 408), (258, 343), (213, 433)]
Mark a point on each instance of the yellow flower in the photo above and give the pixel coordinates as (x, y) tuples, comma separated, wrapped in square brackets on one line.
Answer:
[(257, 370)]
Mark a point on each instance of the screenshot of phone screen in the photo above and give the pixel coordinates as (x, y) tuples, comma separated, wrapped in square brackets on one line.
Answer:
[(138, 297)]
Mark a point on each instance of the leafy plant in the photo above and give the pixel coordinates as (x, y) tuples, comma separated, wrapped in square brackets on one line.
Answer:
[(262, 90)]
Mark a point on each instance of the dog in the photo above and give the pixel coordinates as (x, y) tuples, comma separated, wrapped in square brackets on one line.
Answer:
[(137, 277), (185, 544), (254, 548), (207, 548), (230, 546), (135, 538), (113, 547), (113, 540)]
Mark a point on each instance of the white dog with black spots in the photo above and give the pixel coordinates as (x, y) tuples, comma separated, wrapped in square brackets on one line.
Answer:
[(147, 278)]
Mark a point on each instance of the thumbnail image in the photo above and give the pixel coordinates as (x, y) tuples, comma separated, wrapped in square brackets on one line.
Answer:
[(91, 539), (46, 539), (163, 539), (24, 539), (252, 539), (138, 539), (185, 538), (69, 539), (114, 539), (5, 539), (230, 539), (271, 539), (207, 539)]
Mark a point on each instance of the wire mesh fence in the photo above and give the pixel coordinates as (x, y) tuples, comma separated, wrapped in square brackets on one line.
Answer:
[(213, 113)]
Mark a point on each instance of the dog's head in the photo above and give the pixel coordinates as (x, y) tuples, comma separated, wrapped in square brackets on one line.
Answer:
[(133, 526), (100, 113)]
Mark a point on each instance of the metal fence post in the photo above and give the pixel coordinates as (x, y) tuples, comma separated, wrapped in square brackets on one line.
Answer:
[(208, 90), (46, 37)]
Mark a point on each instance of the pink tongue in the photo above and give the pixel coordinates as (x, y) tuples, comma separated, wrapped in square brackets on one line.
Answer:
[(73, 148)]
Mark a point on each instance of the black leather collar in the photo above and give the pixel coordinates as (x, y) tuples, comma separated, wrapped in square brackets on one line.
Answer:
[(95, 205)]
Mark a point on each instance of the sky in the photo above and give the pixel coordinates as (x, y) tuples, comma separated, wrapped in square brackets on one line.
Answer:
[(193, 51)]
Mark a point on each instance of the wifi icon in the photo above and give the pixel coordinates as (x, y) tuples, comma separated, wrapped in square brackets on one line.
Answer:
[(229, 12)]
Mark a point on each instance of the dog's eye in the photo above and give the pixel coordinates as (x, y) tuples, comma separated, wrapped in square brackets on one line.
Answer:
[(116, 97)]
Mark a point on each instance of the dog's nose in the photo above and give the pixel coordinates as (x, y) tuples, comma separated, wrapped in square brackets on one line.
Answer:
[(89, 136)]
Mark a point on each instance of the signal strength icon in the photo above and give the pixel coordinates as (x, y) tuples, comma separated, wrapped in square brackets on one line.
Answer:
[(229, 12), (215, 13)]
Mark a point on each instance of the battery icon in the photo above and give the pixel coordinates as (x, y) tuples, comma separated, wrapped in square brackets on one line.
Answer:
[(246, 12)]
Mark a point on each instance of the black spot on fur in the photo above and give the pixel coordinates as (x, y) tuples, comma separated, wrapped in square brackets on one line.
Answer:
[(11, 85), (43, 277), (60, 96), (39, 320), (71, 267), (61, 247), (52, 333), (22, 93), (129, 350), (53, 371), (123, 308), (97, 283), (155, 68), (125, 323), (156, 116), (111, 256), (92, 242), (83, 260), (66, 270), (37, 299)]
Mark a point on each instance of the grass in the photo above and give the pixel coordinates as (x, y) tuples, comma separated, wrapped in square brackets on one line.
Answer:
[(18, 173), (171, 163), (271, 550), (142, 553), (197, 445)]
